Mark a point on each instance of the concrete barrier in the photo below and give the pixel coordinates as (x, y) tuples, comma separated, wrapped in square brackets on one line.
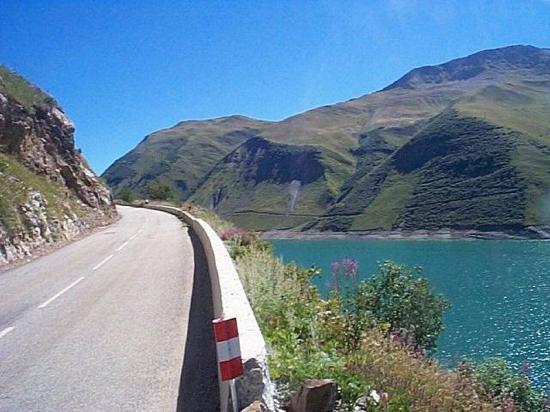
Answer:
[(229, 300)]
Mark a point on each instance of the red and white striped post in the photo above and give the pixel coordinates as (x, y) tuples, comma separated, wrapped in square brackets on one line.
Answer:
[(230, 364)]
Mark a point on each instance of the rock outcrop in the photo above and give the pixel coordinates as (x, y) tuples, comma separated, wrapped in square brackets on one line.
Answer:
[(47, 191)]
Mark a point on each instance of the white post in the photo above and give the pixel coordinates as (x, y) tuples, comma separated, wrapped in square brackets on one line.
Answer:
[(234, 395)]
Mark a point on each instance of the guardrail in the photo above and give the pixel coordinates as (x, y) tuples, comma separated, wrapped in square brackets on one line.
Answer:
[(229, 300)]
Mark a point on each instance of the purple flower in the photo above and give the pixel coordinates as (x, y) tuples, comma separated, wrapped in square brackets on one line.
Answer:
[(351, 266), (335, 268), (525, 368)]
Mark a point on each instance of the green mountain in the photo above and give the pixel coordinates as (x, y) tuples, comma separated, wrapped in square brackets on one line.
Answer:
[(463, 145), (47, 191)]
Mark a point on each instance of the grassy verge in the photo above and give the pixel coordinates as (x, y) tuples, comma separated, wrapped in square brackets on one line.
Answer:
[(358, 335)]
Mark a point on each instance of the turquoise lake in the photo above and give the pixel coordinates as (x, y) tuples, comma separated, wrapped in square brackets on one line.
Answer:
[(499, 291)]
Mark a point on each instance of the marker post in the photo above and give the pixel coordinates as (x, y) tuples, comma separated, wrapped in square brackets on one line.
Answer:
[(234, 398), (228, 349)]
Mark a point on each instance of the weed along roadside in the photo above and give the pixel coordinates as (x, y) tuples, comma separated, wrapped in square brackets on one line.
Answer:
[(367, 347)]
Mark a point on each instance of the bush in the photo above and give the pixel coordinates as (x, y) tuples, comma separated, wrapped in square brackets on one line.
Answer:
[(500, 384), (160, 191), (126, 195), (406, 303), (241, 241)]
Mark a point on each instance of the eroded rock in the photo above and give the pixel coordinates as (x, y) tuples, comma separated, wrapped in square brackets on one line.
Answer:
[(41, 138), (315, 395)]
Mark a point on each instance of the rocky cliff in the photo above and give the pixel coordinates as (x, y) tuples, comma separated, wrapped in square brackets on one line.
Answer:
[(47, 191)]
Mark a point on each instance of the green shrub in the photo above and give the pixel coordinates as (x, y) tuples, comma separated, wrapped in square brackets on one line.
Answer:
[(406, 303), (160, 191), (500, 384), (126, 195)]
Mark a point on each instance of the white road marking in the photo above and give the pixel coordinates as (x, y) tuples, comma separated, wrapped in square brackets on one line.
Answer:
[(6, 331), (133, 237), (96, 267), (118, 249), (60, 293)]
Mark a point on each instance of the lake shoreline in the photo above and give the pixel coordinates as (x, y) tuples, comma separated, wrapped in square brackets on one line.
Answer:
[(530, 233)]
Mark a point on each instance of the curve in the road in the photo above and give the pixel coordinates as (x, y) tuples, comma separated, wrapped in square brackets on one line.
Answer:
[(102, 323)]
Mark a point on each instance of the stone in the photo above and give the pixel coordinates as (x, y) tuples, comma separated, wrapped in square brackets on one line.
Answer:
[(315, 395), (256, 406), (251, 385), (361, 405)]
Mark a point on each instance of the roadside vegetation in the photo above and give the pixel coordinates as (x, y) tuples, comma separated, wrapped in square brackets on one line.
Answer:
[(375, 337)]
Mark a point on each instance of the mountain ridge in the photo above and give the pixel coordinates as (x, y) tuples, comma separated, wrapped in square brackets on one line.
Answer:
[(495, 92)]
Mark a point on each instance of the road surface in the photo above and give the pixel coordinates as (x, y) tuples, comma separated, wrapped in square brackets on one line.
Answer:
[(101, 324)]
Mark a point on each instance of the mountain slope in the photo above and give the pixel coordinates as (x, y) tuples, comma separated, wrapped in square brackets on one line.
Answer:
[(47, 191), (483, 119), (181, 155)]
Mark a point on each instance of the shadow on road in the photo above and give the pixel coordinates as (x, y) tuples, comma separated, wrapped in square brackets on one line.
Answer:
[(199, 377)]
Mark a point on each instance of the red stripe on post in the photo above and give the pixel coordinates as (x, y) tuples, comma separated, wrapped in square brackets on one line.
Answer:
[(228, 348), (231, 369), (225, 329)]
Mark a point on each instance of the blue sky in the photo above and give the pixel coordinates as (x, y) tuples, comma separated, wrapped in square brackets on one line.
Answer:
[(126, 69)]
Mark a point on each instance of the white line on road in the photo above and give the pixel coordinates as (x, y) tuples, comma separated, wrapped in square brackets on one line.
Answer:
[(133, 237), (6, 331), (60, 293), (96, 267), (118, 249)]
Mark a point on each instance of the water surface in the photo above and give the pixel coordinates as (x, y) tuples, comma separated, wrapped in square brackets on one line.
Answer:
[(499, 291)]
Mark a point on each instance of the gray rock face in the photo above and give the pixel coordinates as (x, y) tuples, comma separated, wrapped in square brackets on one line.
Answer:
[(252, 385), (38, 230), (40, 139), (44, 142)]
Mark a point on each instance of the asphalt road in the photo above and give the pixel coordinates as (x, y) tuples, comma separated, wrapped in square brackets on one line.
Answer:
[(101, 324)]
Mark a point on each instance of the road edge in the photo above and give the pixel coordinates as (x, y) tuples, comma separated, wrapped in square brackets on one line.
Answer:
[(229, 300)]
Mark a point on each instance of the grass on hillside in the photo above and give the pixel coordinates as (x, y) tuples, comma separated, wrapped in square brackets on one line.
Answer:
[(384, 210), (463, 172), (533, 161), (515, 106), (16, 181), (21, 90), (190, 150)]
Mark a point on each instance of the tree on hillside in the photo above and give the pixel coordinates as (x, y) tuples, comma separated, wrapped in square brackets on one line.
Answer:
[(126, 194), (160, 191)]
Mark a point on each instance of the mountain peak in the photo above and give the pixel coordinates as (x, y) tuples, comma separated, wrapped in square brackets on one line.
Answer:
[(486, 63)]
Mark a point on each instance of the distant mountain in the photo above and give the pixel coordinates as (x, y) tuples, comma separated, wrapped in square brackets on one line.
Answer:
[(47, 191), (463, 145)]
